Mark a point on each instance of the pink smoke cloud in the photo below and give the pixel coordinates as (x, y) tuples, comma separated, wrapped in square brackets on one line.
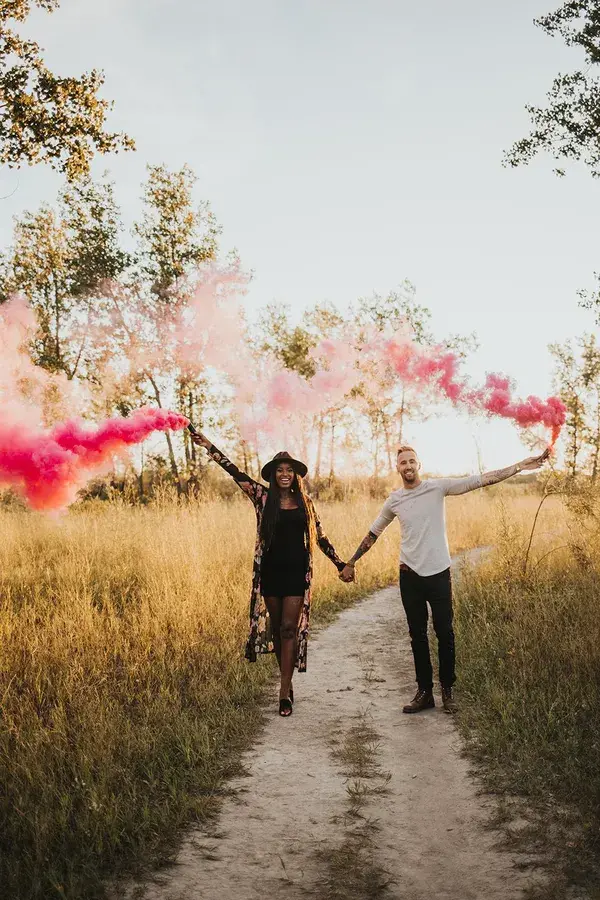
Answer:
[(48, 469), (271, 400), (204, 327), (28, 391), (276, 403), (209, 325), (439, 368), (337, 372)]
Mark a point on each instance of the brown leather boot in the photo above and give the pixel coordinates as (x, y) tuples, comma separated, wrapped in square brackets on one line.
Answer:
[(448, 701), (421, 700)]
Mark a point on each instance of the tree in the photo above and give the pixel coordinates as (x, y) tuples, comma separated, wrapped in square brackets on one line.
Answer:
[(173, 235), (577, 377), (104, 315), (93, 221), (591, 379), (569, 126), (45, 117), (569, 381), (58, 259), (397, 309), (386, 402), (324, 321), (38, 266), (290, 344)]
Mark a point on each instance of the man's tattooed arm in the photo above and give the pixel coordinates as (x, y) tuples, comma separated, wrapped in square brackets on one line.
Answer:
[(527, 465), (347, 573), (499, 475), (364, 546)]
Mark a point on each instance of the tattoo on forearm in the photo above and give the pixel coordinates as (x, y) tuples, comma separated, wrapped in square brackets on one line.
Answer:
[(365, 546), (499, 475)]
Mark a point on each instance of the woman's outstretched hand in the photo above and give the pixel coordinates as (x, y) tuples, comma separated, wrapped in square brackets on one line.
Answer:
[(348, 574), (199, 439)]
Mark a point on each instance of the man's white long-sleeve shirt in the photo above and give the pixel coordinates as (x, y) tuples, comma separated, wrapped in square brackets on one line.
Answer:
[(422, 515)]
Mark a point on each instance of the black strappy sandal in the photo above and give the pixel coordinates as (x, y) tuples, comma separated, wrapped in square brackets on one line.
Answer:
[(285, 708), (292, 695)]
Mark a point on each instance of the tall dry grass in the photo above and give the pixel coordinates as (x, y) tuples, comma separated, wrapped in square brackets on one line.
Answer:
[(124, 697), (529, 643)]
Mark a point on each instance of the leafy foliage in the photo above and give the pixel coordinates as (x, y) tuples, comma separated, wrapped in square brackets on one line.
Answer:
[(569, 126), (577, 378), (58, 259), (290, 344), (173, 235), (46, 117)]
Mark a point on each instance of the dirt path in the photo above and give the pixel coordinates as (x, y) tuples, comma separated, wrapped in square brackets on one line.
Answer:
[(405, 813)]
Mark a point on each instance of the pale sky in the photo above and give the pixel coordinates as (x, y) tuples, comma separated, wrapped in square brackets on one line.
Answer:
[(346, 146)]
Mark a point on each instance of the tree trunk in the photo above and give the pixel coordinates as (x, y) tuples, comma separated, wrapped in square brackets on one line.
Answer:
[(304, 443), (320, 428), (596, 441), (388, 447), (57, 327), (190, 415), (575, 447), (375, 449), (332, 451), (401, 413), (172, 460)]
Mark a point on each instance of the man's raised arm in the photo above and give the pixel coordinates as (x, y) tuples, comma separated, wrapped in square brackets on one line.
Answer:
[(529, 464)]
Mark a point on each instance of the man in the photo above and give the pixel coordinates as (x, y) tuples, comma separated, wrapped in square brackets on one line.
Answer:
[(425, 563)]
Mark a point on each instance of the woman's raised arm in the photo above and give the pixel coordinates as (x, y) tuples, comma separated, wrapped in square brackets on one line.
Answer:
[(251, 488)]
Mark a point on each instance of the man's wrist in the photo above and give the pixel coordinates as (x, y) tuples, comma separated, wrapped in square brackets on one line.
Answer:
[(351, 564)]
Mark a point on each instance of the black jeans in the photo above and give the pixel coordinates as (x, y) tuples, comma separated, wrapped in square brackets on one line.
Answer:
[(417, 591)]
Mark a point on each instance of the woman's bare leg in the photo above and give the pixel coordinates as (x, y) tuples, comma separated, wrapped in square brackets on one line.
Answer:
[(274, 607), (290, 616)]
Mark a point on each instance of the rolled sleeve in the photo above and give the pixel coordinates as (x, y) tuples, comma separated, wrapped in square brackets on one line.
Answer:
[(454, 486), (385, 518)]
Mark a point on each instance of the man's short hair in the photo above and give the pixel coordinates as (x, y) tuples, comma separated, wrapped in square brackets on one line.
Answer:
[(406, 448)]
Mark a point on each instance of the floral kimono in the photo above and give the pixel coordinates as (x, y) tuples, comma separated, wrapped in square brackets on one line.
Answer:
[(259, 637)]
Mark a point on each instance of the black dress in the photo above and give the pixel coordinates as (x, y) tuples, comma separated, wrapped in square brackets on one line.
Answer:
[(284, 563)]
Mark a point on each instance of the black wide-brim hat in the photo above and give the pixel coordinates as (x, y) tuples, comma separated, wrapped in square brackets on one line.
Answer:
[(298, 467)]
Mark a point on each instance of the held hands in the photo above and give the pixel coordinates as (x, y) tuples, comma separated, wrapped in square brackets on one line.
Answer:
[(534, 462), (348, 573)]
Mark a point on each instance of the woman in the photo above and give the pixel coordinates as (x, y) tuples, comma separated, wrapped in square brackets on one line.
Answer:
[(288, 529)]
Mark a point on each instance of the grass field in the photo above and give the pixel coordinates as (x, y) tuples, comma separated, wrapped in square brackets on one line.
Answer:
[(530, 679), (125, 701)]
